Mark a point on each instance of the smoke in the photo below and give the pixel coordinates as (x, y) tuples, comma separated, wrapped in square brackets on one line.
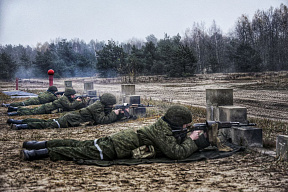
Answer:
[(23, 72), (76, 72), (108, 73), (30, 73)]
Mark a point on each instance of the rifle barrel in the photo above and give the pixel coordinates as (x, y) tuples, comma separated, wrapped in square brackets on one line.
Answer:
[(221, 125)]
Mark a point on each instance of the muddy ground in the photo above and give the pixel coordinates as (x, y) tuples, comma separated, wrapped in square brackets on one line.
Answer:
[(264, 95)]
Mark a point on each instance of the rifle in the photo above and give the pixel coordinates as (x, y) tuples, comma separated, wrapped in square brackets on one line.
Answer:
[(130, 106), (60, 93), (92, 98), (180, 132), (221, 125), (208, 124), (123, 107)]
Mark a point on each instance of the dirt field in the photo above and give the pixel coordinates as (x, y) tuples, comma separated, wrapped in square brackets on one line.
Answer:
[(264, 95)]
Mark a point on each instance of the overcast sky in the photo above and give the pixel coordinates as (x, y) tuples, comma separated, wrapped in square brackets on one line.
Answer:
[(27, 22)]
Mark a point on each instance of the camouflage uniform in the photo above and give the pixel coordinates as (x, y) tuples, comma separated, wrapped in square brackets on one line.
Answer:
[(94, 113), (44, 97), (62, 103), (120, 145), (159, 136), (97, 113)]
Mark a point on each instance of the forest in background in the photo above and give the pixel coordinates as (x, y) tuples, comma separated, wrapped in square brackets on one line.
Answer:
[(259, 44)]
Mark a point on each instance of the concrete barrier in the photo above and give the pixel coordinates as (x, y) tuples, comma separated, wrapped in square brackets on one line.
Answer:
[(68, 83), (88, 86), (219, 107), (282, 147), (232, 113), (243, 136), (132, 99), (128, 89)]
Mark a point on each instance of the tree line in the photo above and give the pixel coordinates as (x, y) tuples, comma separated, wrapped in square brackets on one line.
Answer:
[(255, 45)]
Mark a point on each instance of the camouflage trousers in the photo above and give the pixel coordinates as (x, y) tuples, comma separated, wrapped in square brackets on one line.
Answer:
[(32, 111), (74, 150), (72, 119), (31, 101)]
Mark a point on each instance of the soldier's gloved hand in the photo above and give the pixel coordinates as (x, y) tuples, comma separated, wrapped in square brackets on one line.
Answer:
[(202, 142)]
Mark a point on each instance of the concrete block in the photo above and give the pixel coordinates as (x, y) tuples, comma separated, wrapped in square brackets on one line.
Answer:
[(92, 93), (218, 97), (282, 147), (88, 86), (244, 136), (226, 113), (138, 111), (212, 113), (132, 99), (68, 83), (232, 113), (128, 89)]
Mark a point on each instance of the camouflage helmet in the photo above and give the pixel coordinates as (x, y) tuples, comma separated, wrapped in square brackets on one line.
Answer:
[(178, 115), (108, 99), (52, 88), (69, 91)]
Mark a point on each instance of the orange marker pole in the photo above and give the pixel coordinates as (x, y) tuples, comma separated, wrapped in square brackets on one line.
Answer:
[(50, 73)]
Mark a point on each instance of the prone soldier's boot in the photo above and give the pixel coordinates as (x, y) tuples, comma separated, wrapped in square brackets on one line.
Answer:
[(30, 155), (12, 113), (14, 121), (10, 109), (5, 105), (19, 126), (34, 144)]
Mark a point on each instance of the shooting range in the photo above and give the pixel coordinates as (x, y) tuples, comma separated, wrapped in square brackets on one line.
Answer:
[(218, 103), (201, 96)]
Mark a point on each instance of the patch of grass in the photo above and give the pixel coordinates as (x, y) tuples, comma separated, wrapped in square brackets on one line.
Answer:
[(269, 81), (4, 98)]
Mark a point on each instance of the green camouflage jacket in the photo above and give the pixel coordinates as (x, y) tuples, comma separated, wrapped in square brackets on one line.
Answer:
[(159, 135), (96, 113), (63, 103), (46, 97), (43, 97)]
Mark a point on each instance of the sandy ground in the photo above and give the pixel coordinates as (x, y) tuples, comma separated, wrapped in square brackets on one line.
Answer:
[(244, 171)]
